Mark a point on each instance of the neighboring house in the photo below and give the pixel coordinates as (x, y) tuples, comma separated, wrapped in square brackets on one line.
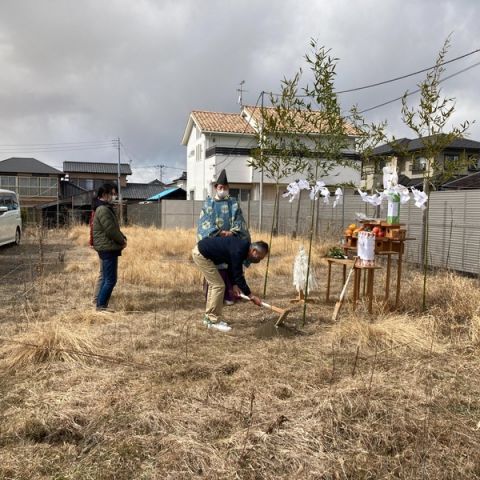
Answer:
[(138, 192), (181, 181), (156, 182), (217, 140), (467, 182), (35, 182), (172, 193), (91, 175), (411, 164)]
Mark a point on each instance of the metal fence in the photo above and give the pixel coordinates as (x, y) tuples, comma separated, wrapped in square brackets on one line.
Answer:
[(454, 226)]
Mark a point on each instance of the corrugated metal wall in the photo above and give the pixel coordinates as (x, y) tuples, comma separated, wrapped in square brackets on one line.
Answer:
[(454, 226)]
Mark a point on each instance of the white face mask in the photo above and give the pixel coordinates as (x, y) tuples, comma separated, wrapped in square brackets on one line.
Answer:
[(114, 198), (222, 193)]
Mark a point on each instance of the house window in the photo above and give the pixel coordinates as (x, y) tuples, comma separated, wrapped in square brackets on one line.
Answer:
[(240, 194), (28, 186), (449, 158), (8, 183), (379, 165), (474, 163), (37, 186), (88, 183), (419, 165), (198, 153), (48, 187)]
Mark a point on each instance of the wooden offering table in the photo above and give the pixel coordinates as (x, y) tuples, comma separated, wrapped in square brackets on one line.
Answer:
[(369, 270), (392, 242)]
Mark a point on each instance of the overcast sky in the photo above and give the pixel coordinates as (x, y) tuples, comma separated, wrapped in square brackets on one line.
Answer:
[(86, 72)]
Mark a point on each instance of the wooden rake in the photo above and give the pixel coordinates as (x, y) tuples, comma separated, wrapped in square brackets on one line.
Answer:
[(283, 312)]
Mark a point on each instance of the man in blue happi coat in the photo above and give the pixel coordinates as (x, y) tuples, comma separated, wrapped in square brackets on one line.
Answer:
[(222, 216)]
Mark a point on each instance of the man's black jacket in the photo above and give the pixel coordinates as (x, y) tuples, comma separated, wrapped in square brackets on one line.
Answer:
[(230, 250)]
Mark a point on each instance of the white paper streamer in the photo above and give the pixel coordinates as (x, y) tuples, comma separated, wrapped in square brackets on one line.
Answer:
[(300, 267), (391, 187), (421, 198)]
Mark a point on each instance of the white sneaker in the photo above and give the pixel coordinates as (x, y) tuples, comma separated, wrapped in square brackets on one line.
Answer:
[(221, 326), (228, 303)]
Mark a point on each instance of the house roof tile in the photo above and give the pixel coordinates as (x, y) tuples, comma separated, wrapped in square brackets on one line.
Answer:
[(301, 124), (221, 122), (27, 165), (141, 191), (464, 183), (416, 144), (96, 167)]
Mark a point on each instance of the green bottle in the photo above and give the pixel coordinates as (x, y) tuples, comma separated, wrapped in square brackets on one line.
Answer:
[(393, 213)]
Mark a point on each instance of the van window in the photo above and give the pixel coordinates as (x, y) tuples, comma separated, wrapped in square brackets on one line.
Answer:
[(11, 202)]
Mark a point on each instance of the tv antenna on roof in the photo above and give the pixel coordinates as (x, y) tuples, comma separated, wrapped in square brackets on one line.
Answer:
[(241, 91)]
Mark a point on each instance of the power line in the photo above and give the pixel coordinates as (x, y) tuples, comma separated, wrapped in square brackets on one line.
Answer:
[(418, 89), (395, 79), (91, 142), (401, 77), (156, 166), (54, 149)]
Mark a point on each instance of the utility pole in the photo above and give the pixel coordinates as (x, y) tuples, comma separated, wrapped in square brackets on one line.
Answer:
[(260, 203), (58, 203), (119, 186), (161, 167)]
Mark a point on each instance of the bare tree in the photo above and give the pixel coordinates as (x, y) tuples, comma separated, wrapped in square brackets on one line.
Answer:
[(429, 121), (282, 153), (327, 128)]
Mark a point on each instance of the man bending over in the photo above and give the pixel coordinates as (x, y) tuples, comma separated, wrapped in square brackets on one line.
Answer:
[(233, 251)]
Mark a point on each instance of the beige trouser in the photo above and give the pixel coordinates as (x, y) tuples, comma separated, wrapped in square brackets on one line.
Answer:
[(216, 285)]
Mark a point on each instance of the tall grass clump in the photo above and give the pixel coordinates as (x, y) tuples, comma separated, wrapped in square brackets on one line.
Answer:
[(46, 344)]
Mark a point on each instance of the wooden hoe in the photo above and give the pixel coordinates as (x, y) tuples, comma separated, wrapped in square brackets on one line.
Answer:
[(283, 312), (339, 304)]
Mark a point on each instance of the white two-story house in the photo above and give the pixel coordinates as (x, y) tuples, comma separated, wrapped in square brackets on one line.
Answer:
[(217, 141)]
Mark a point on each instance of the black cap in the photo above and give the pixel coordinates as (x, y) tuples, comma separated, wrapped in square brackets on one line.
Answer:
[(222, 178)]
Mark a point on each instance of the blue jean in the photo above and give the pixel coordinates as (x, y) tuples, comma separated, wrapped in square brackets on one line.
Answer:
[(109, 267)]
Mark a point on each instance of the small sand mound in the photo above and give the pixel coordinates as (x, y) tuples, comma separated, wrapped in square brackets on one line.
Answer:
[(46, 344)]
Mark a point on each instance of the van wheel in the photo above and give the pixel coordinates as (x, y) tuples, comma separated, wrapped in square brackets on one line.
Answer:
[(18, 237)]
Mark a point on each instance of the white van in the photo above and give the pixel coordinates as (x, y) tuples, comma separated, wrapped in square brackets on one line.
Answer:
[(10, 218)]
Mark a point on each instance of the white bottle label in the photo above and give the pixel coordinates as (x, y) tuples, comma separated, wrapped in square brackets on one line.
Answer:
[(393, 209)]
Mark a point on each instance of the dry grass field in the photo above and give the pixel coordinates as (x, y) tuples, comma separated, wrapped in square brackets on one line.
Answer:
[(149, 393)]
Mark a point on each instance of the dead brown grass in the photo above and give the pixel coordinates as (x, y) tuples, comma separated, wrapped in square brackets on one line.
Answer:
[(47, 343), (393, 395), (390, 332)]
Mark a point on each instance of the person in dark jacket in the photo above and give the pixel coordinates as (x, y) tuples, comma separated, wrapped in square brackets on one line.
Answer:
[(108, 241), (233, 251), (95, 204)]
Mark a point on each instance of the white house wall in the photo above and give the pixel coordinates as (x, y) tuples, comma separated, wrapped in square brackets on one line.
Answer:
[(202, 173), (196, 168)]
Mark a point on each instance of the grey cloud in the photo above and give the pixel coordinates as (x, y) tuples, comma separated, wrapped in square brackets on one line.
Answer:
[(97, 70)]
